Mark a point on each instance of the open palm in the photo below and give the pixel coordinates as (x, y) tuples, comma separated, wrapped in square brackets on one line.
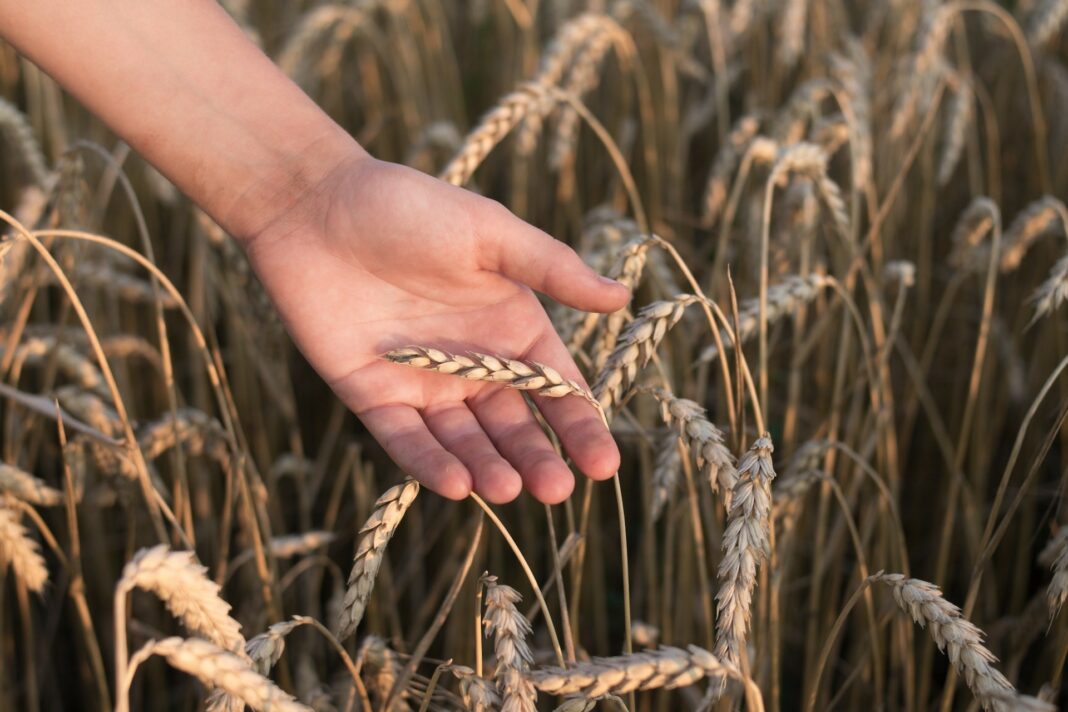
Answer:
[(379, 256)]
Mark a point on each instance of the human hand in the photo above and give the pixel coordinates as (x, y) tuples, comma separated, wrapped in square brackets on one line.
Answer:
[(377, 256)]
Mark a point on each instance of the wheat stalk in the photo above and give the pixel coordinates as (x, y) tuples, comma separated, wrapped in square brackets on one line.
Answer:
[(702, 438), (182, 585), (667, 668), (220, 669), (28, 488), (376, 532), (745, 545), (510, 631), (783, 300), (957, 637), (20, 552)]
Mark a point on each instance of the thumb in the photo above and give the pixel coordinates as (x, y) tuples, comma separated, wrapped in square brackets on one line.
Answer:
[(531, 257)]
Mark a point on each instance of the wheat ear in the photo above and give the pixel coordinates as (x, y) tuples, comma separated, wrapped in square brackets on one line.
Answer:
[(1055, 556), (510, 631), (1046, 19), (181, 583), (783, 300), (531, 376), (961, 111), (20, 136), (477, 693), (383, 667), (957, 637), (527, 100), (726, 161), (665, 474), (703, 439), (376, 532), (1031, 223), (745, 545), (28, 488), (19, 551), (636, 346), (666, 668), (1053, 292), (219, 669)]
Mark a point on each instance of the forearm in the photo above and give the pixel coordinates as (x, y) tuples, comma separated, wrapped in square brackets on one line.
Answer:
[(180, 82)]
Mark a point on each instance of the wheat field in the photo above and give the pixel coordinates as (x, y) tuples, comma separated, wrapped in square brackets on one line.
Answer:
[(838, 390)]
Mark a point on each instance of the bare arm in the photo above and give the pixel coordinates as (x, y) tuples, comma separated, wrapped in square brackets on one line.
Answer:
[(359, 256)]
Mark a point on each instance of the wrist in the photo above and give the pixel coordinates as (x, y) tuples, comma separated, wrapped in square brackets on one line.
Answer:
[(286, 184)]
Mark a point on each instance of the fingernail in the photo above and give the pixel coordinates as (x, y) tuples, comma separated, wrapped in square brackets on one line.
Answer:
[(608, 280)]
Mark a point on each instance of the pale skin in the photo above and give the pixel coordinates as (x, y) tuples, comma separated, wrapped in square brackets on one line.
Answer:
[(358, 255)]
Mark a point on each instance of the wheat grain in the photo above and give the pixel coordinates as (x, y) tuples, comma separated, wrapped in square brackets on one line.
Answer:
[(376, 532), (20, 552), (667, 668), (182, 585), (28, 488), (221, 669)]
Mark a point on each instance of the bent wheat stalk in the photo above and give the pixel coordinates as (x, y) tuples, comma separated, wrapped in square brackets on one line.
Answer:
[(217, 668), (667, 668)]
